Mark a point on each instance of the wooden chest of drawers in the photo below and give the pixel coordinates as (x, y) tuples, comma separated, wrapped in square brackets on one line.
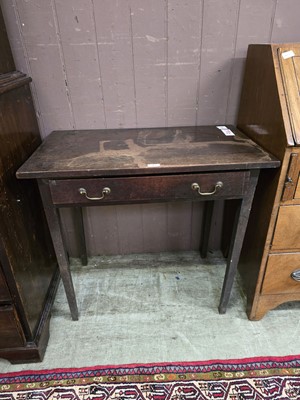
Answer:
[(270, 115)]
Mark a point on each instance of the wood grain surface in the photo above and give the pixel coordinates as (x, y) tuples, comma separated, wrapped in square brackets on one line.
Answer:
[(68, 154)]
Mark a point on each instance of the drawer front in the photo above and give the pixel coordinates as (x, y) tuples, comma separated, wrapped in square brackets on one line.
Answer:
[(292, 176), (149, 188), (282, 273), (287, 231), (291, 190), (11, 334), (4, 292)]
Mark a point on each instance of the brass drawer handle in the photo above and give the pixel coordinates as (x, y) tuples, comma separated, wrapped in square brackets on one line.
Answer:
[(195, 186), (105, 191), (296, 275)]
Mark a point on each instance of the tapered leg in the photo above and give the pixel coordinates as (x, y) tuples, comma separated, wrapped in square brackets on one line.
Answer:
[(80, 235), (240, 225), (58, 244), (229, 215), (206, 231)]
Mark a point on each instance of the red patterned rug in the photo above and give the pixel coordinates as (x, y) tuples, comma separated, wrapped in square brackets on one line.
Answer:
[(255, 379)]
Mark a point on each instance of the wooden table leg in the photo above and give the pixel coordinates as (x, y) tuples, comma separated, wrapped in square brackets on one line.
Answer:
[(239, 230), (53, 220), (80, 233), (229, 214), (206, 231)]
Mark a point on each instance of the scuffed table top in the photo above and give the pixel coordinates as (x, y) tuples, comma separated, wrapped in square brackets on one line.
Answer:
[(147, 151)]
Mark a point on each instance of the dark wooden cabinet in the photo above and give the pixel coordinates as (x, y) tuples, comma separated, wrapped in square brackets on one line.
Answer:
[(6, 59), (28, 267), (270, 115)]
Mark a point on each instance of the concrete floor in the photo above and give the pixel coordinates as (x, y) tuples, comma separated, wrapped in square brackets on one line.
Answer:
[(156, 308)]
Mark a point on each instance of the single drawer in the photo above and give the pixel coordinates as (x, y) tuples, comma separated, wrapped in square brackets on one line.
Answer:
[(282, 274), (4, 292), (98, 191), (11, 334)]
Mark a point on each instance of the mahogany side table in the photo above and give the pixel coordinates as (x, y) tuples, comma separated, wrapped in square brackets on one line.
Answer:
[(101, 167)]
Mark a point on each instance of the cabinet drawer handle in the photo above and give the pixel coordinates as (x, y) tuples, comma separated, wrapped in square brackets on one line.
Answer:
[(195, 186), (296, 275), (105, 191)]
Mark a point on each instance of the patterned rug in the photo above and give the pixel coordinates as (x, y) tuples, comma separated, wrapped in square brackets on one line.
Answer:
[(257, 378)]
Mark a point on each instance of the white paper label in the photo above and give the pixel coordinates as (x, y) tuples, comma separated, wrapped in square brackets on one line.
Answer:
[(153, 165), (225, 130), (288, 54)]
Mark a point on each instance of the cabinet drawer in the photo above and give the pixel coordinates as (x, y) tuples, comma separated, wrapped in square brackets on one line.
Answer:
[(291, 187), (278, 277), (11, 334), (287, 231), (149, 188), (4, 292)]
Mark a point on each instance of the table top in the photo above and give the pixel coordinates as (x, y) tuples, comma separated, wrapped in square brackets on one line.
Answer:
[(147, 151)]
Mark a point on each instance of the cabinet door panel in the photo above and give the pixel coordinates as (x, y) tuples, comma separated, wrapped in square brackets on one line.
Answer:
[(4, 292), (287, 231), (278, 278), (25, 241), (11, 334)]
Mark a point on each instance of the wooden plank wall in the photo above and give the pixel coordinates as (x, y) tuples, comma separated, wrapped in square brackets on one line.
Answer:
[(140, 63)]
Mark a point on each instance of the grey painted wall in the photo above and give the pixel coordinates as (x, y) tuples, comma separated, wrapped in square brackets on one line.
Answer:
[(140, 63)]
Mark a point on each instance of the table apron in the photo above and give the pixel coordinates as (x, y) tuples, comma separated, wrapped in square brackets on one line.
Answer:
[(124, 190)]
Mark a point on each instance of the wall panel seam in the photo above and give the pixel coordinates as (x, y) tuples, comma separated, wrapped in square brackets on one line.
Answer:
[(167, 62), (63, 63), (273, 20), (99, 64), (133, 65), (233, 60), (200, 58)]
